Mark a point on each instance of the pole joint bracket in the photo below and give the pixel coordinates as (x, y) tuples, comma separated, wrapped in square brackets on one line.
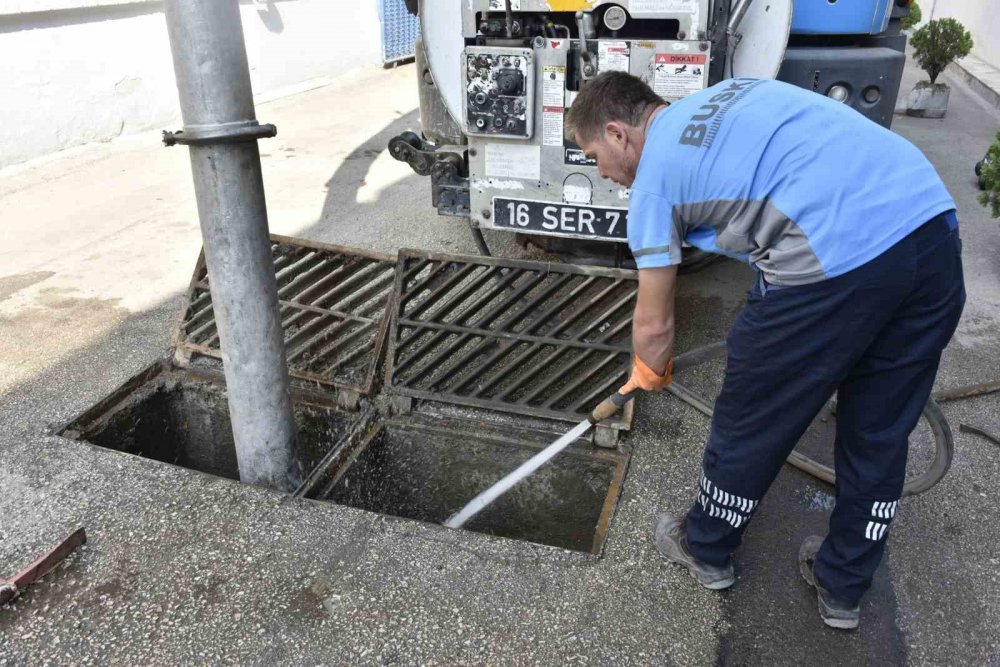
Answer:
[(221, 133)]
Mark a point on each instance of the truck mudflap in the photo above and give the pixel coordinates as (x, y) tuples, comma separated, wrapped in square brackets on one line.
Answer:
[(869, 75)]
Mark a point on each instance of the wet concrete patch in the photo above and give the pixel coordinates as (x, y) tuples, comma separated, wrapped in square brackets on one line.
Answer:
[(771, 615), (49, 325), (12, 284)]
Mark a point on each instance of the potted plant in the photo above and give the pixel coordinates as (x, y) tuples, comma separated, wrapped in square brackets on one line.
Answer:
[(988, 171), (935, 46), (913, 18)]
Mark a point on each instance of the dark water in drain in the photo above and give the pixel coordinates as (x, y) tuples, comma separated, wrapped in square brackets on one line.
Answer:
[(418, 475), (187, 424), (425, 477)]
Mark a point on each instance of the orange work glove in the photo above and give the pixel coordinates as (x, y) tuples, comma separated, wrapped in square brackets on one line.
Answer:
[(645, 378)]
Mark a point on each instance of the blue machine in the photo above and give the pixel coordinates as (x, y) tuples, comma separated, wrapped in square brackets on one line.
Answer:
[(850, 50), (400, 29), (841, 17)]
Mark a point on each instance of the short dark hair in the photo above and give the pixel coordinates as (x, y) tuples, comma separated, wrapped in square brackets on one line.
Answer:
[(608, 97)]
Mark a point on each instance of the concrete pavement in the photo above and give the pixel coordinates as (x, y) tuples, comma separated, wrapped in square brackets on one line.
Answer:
[(184, 568)]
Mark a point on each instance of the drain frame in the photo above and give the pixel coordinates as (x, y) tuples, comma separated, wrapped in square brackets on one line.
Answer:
[(505, 427)]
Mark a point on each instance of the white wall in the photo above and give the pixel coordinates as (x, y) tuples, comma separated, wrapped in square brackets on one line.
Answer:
[(980, 17), (77, 71)]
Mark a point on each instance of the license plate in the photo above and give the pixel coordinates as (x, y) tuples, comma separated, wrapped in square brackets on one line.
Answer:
[(538, 217)]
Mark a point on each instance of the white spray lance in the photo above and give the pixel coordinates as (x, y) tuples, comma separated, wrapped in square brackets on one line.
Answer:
[(607, 408)]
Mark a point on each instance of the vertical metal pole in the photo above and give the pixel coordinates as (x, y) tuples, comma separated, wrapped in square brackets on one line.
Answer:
[(220, 128)]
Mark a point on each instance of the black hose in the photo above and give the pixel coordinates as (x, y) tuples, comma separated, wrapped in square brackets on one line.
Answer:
[(477, 236), (944, 441), (510, 19)]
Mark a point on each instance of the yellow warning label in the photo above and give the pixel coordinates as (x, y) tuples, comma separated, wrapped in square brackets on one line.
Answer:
[(570, 5)]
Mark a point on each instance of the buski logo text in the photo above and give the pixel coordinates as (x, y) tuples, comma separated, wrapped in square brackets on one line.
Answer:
[(703, 126)]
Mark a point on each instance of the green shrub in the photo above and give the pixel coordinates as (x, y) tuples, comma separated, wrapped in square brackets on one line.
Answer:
[(913, 18), (938, 43), (989, 179)]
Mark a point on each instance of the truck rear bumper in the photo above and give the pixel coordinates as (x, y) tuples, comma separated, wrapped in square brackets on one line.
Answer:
[(858, 69)]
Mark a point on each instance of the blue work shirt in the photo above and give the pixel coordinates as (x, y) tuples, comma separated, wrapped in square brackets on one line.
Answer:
[(801, 186)]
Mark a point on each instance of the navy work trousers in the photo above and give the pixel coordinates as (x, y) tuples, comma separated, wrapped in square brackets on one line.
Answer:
[(874, 337)]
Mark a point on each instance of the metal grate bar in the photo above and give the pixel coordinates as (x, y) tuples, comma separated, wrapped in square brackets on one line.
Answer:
[(594, 371), (539, 321), (344, 278), (302, 311), (299, 270), (324, 267), (206, 329), (504, 335), (340, 341), (440, 291), (533, 351), (343, 293), (545, 387), (463, 360), (203, 304), (284, 256), (417, 268), (377, 288), (296, 348), (446, 308), (347, 332), (334, 311), (573, 318), (300, 265), (307, 292), (325, 329), (527, 337), (536, 368), (345, 359), (483, 321)]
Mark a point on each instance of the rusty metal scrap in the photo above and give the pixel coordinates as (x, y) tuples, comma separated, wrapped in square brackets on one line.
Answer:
[(966, 392), (11, 588)]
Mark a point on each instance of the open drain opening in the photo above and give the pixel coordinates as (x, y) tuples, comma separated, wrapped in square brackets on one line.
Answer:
[(181, 418), (402, 467), (416, 472)]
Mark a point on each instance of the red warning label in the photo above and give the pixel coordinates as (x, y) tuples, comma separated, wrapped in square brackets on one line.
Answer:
[(683, 58), (679, 74)]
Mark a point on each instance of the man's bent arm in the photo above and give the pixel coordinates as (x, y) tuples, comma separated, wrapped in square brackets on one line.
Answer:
[(653, 323)]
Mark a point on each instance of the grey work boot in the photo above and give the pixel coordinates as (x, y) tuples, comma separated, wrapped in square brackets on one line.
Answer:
[(671, 541), (835, 612)]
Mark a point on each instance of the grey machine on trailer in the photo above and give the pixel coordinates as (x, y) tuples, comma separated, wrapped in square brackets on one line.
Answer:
[(495, 86), (496, 78)]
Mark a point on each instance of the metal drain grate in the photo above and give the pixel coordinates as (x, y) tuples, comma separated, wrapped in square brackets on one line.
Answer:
[(547, 340), (334, 312)]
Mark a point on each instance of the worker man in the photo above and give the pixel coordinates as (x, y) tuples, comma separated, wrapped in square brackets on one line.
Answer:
[(859, 288)]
